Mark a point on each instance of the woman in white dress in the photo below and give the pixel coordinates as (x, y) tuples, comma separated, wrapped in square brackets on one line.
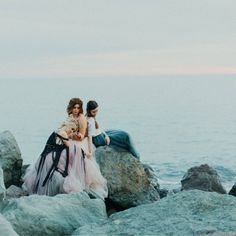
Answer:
[(99, 137)]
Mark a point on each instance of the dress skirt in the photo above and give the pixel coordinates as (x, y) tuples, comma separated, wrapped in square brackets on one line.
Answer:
[(83, 174)]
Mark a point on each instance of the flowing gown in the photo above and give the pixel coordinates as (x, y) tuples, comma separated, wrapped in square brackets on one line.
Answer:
[(64, 171)]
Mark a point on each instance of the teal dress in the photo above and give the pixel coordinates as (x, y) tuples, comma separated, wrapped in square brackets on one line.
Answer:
[(118, 139)]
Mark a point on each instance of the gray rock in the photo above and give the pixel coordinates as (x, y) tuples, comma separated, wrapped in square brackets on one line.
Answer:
[(233, 190), (151, 176), (163, 193), (204, 178), (15, 192), (59, 215), (191, 212), (23, 169), (130, 183), (10, 159), (2, 185), (6, 228)]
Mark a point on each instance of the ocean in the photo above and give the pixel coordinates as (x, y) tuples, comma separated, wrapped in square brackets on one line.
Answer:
[(176, 122)]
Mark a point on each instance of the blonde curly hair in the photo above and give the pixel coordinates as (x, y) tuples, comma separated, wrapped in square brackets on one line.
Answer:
[(70, 124)]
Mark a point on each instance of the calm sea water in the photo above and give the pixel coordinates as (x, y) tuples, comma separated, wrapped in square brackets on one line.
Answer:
[(176, 122)]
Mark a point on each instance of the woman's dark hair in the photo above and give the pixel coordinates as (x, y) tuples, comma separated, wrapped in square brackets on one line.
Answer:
[(91, 105), (72, 103)]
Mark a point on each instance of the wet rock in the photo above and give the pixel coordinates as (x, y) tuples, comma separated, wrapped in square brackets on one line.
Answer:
[(192, 212), (10, 159), (130, 183), (233, 190), (15, 192), (204, 178), (6, 228), (60, 215), (163, 193)]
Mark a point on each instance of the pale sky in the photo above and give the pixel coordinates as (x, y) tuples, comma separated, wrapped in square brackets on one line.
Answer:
[(79, 38)]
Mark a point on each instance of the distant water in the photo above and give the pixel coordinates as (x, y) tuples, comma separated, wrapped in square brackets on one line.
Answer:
[(176, 122)]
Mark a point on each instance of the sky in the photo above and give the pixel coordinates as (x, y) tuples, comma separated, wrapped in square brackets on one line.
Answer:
[(98, 38)]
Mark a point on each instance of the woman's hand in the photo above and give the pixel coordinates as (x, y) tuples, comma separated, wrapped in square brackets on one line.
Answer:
[(76, 136), (79, 135), (107, 140), (88, 155), (71, 135)]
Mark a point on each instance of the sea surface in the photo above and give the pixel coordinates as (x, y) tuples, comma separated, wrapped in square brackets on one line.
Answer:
[(176, 122)]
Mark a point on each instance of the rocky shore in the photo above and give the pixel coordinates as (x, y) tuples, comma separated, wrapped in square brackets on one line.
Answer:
[(136, 204)]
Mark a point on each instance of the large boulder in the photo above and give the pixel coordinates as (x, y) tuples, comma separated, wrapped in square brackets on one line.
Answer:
[(204, 178), (191, 212), (6, 228), (59, 215), (130, 183), (10, 159)]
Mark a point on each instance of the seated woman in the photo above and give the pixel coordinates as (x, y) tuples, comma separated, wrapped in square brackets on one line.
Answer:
[(63, 168), (115, 138), (59, 168)]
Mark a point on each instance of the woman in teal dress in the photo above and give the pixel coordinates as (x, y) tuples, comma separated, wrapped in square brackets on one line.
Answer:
[(113, 138)]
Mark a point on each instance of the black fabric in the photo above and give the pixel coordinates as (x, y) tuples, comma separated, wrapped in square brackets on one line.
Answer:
[(56, 149), (99, 140), (67, 163)]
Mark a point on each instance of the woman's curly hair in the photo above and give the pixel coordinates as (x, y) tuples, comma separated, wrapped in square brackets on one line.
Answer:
[(72, 103)]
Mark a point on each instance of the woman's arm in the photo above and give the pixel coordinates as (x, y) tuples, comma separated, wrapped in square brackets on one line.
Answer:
[(65, 137), (82, 126), (106, 137), (90, 127), (90, 147)]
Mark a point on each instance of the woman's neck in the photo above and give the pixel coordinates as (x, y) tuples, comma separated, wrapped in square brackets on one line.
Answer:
[(75, 116)]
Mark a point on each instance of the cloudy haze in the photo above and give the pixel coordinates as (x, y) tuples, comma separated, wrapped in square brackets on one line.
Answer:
[(73, 38)]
